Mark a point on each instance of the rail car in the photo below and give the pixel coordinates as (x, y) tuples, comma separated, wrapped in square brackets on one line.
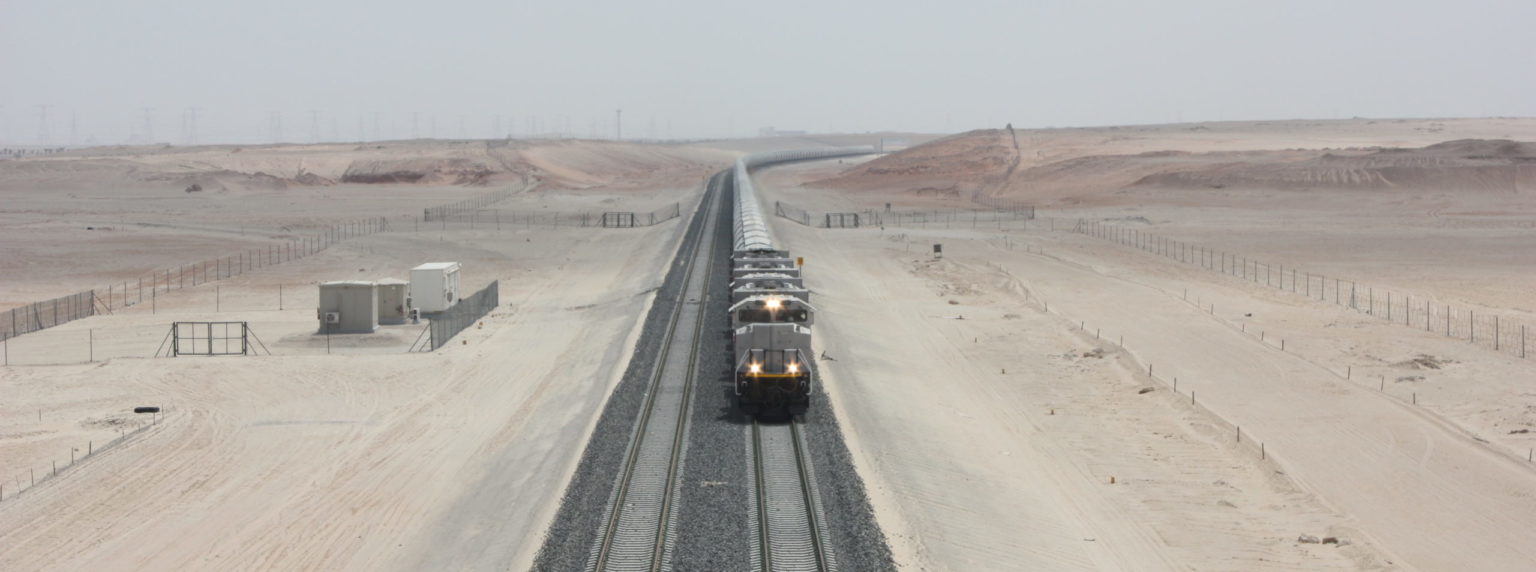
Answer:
[(771, 313), (771, 336)]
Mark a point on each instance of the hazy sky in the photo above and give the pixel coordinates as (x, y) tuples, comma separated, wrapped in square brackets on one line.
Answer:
[(691, 68)]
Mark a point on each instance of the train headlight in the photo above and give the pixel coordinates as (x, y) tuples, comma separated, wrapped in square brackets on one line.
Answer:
[(755, 368), (794, 368), (773, 303)]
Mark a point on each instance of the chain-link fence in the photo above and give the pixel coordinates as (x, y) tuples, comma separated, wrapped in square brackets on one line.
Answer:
[(445, 325), (47, 314), (1486, 330), (497, 219), (464, 207), (145, 289), (1010, 217)]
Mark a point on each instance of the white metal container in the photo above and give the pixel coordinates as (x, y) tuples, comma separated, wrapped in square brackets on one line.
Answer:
[(435, 286)]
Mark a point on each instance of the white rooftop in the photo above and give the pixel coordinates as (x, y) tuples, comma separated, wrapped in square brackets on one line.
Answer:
[(437, 266)]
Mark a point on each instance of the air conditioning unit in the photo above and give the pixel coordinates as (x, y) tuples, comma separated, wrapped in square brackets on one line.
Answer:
[(333, 317)]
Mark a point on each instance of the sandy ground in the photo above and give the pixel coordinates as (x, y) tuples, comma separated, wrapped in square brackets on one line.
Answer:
[(90, 219), (989, 442), (365, 458), (1023, 436)]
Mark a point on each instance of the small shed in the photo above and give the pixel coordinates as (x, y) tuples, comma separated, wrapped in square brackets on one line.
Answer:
[(348, 307), (394, 300), (435, 286)]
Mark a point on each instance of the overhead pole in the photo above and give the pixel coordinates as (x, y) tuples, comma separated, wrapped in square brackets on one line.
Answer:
[(42, 124)]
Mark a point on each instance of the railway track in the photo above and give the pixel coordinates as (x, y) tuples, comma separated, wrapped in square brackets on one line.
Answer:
[(640, 518), (789, 527)]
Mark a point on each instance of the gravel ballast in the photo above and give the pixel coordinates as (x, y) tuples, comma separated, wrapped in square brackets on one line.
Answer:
[(569, 540), (712, 530)]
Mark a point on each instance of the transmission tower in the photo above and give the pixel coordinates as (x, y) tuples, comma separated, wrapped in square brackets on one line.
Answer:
[(314, 126), (618, 125), (189, 126), (275, 126), (42, 124), (149, 125)]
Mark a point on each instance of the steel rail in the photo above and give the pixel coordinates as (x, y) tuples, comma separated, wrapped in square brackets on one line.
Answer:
[(790, 531), (614, 536)]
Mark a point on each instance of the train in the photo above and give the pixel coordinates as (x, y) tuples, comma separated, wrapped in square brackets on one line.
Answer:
[(770, 312)]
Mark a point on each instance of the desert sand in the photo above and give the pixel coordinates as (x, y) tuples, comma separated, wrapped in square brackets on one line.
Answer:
[(1010, 405), (364, 458), (991, 401)]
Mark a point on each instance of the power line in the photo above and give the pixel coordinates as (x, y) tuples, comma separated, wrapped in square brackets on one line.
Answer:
[(42, 124), (275, 126), (189, 126)]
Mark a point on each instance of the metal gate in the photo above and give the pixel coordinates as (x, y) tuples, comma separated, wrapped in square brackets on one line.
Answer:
[(211, 339), (842, 220), (618, 220)]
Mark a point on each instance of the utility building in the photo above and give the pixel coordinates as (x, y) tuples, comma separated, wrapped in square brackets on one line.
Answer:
[(348, 307), (435, 286), (394, 301)]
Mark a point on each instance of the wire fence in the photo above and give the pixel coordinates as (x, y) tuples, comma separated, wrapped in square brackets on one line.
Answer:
[(466, 206), (20, 482), (47, 314), (443, 326), (1009, 217), (498, 219), (148, 288), (1486, 330)]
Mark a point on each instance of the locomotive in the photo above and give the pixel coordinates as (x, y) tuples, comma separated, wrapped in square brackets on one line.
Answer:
[(771, 313)]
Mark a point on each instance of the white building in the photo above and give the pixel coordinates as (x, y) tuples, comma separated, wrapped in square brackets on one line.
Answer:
[(394, 300), (348, 307), (435, 286)]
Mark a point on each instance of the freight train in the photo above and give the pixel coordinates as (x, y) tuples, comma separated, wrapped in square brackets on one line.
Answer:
[(771, 313)]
